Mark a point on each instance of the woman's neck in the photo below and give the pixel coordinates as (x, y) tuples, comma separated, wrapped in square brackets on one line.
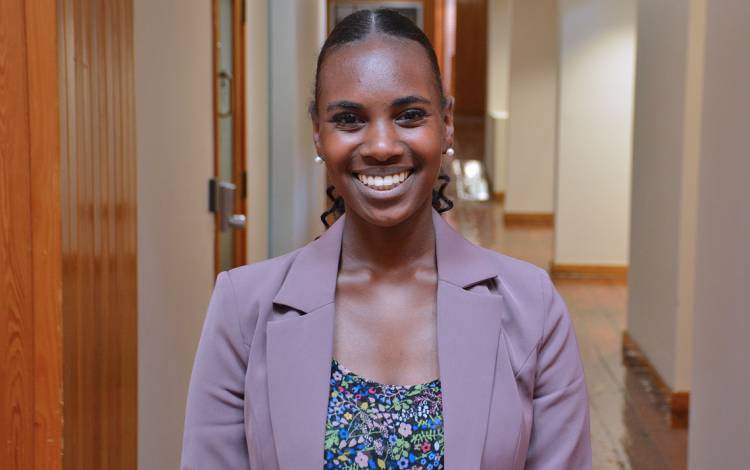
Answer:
[(410, 244)]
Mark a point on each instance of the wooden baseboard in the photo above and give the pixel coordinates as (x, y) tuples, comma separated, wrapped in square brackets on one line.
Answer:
[(589, 272), (499, 196), (679, 401), (534, 219)]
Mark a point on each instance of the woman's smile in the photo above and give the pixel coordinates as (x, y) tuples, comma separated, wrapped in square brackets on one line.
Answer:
[(385, 181)]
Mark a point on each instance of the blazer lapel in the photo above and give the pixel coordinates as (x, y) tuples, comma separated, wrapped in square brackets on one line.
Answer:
[(299, 350), (299, 365), (469, 332), (468, 337)]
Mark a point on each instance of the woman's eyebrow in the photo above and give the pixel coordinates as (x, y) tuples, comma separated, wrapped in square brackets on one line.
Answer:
[(407, 100), (345, 105)]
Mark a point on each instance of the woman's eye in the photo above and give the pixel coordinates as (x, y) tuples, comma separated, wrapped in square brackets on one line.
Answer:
[(411, 116), (346, 120)]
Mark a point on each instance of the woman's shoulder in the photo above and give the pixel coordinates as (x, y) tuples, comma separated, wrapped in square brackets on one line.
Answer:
[(533, 307), (261, 279), (515, 276)]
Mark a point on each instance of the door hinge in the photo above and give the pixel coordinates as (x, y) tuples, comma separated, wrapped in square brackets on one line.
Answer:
[(212, 195)]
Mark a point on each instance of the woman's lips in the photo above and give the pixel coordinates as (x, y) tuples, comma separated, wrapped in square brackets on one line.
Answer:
[(384, 183), (375, 191)]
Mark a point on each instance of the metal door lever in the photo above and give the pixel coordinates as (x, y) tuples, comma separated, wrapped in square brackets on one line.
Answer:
[(225, 206)]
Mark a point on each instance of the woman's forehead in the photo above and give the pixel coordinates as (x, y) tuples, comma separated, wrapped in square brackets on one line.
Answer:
[(376, 65)]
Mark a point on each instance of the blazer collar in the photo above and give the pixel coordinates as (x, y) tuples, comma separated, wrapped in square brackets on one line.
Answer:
[(311, 281)]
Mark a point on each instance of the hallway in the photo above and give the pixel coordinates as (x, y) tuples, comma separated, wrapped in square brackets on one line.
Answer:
[(629, 419)]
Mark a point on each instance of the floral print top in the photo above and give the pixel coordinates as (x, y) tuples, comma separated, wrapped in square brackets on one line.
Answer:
[(377, 426)]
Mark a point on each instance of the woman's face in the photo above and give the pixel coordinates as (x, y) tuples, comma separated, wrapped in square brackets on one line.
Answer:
[(381, 128)]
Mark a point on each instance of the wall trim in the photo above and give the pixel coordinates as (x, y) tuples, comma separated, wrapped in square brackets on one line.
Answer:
[(588, 272), (539, 219), (499, 196), (679, 401)]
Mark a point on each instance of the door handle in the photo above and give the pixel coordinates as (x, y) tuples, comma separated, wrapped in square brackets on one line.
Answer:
[(225, 94), (225, 206)]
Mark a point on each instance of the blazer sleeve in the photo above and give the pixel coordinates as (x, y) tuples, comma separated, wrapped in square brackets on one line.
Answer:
[(560, 435), (214, 435)]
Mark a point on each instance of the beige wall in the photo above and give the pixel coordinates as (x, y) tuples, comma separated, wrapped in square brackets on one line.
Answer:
[(498, 78), (665, 169), (597, 67), (174, 132), (532, 105), (256, 58), (719, 413)]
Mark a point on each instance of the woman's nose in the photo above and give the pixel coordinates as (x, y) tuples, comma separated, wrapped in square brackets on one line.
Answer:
[(381, 141)]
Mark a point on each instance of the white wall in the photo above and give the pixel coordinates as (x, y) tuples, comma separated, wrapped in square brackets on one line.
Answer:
[(256, 60), (533, 103), (666, 145), (597, 65), (499, 23), (174, 132), (719, 414), (297, 182)]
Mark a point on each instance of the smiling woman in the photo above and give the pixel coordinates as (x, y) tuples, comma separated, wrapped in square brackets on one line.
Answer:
[(391, 341)]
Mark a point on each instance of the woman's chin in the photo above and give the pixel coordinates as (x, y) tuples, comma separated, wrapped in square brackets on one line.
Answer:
[(387, 217)]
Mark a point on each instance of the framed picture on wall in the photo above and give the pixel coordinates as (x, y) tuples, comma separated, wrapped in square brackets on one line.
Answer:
[(340, 9)]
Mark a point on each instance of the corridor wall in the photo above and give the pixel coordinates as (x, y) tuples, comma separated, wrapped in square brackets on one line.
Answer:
[(297, 183), (594, 130), (666, 145), (532, 106), (499, 24), (174, 142), (257, 129), (719, 413)]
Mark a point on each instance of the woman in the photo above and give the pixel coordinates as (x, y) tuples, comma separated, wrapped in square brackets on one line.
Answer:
[(391, 341)]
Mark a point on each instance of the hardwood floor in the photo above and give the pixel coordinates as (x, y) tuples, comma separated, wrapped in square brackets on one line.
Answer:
[(630, 420)]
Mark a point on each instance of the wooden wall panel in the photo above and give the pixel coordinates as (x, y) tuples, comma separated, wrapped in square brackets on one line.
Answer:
[(471, 57), (16, 327), (30, 274), (98, 233), (44, 147)]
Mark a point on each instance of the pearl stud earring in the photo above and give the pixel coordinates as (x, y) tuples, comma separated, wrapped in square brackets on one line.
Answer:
[(319, 159), (450, 152)]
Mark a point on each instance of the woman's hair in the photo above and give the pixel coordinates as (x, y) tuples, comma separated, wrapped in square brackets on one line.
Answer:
[(356, 27), (361, 24)]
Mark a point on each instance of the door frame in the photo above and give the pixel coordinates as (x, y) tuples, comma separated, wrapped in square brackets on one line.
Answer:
[(239, 142)]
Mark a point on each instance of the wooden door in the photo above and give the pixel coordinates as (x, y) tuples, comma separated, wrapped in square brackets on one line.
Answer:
[(30, 259), (471, 58), (67, 235), (98, 202)]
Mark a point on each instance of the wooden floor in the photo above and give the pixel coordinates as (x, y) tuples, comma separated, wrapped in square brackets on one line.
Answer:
[(629, 419)]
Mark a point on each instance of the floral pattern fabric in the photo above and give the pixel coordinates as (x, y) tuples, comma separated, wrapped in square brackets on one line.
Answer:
[(378, 426)]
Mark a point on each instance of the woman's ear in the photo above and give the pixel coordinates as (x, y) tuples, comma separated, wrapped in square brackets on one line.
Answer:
[(448, 120)]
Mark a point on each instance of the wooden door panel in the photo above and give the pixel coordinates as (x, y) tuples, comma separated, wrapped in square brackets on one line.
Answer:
[(99, 233), (30, 275), (16, 290)]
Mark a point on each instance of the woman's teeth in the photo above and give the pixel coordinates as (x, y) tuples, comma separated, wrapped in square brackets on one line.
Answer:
[(383, 182)]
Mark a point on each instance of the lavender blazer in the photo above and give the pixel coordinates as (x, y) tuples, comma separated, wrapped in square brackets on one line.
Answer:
[(514, 395)]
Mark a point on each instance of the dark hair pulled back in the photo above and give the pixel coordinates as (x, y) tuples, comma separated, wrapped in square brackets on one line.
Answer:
[(356, 27)]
